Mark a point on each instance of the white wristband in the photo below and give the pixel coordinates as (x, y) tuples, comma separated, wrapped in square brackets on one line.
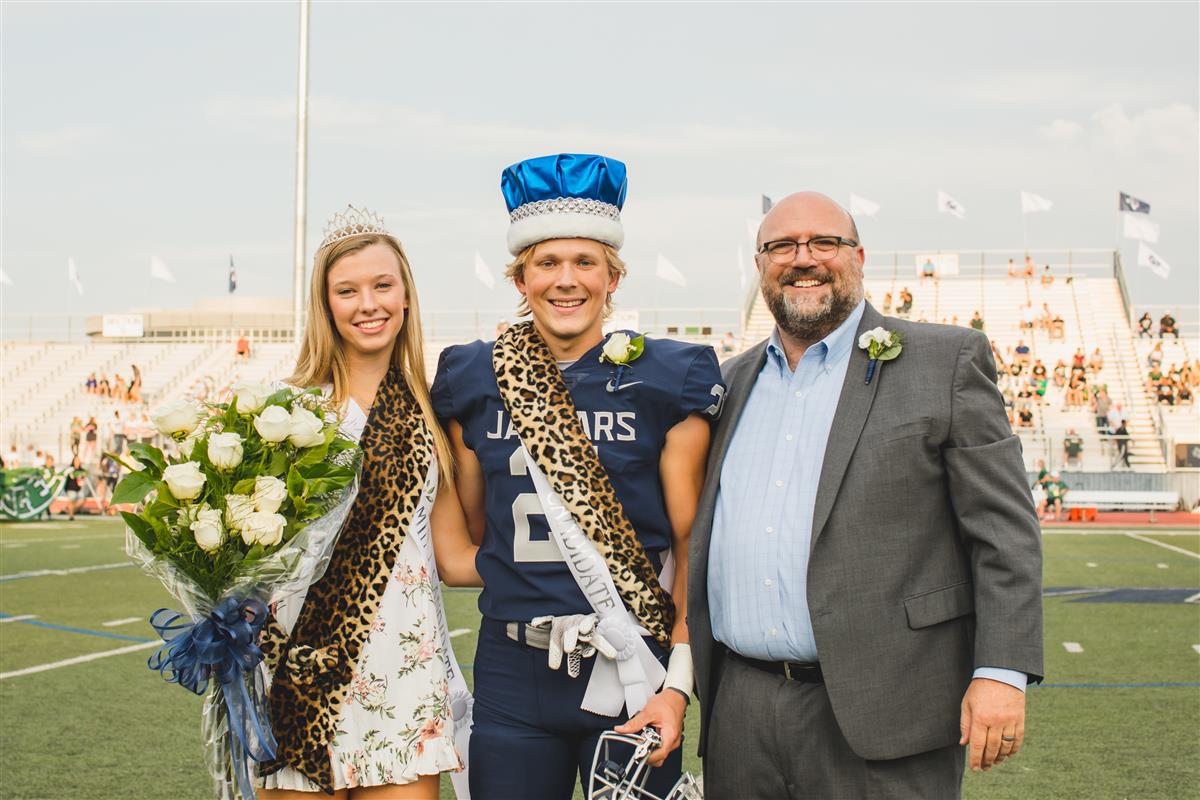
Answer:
[(679, 670)]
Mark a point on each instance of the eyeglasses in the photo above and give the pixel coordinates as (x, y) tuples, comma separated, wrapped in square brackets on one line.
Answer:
[(821, 248)]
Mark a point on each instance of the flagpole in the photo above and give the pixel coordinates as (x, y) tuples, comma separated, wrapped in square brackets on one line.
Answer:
[(301, 179)]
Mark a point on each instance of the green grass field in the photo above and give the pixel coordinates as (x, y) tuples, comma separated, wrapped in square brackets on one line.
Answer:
[(1120, 719)]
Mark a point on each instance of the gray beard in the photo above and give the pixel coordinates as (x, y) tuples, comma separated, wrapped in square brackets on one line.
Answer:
[(815, 325)]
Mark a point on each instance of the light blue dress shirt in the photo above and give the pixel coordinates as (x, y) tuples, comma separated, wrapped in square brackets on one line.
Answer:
[(762, 521)]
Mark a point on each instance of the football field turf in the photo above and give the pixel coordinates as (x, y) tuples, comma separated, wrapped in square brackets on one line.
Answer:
[(82, 717)]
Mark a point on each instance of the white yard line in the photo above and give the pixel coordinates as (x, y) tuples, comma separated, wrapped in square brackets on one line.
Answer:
[(1170, 547), (1161, 565), (18, 618), (1193, 599), (71, 546), (133, 648), (112, 623), (459, 632), (38, 573), (1073, 647), (1092, 564), (96, 536), (15, 544)]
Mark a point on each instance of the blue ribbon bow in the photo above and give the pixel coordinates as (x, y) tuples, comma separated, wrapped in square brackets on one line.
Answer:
[(223, 645)]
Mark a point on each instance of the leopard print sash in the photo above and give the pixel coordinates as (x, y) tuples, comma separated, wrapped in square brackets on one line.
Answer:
[(312, 673), (544, 415)]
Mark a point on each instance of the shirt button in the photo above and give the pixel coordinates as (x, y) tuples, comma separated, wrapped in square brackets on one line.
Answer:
[(767, 583), (799, 394), (773, 632), (770, 529), (788, 437), (779, 484)]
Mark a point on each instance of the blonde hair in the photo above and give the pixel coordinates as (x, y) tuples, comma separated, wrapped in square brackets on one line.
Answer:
[(516, 269), (323, 361)]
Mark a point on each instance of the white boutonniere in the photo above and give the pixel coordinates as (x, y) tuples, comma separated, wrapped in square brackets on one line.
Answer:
[(620, 350), (881, 345)]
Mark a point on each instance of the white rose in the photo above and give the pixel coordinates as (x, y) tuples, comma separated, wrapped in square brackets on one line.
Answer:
[(617, 347), (185, 446), (225, 450), (251, 396), (180, 416), (273, 424), (269, 493), (880, 335), (207, 529), (307, 428), (184, 480), (264, 528), (237, 508)]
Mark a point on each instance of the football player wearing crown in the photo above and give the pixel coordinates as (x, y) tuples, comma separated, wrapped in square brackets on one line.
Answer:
[(579, 460)]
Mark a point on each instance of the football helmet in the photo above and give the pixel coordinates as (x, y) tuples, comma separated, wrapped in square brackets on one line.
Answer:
[(614, 779)]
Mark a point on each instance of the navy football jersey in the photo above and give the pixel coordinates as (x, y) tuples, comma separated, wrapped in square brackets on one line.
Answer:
[(523, 572)]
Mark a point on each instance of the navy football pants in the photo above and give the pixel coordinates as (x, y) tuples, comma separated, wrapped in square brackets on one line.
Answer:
[(530, 737)]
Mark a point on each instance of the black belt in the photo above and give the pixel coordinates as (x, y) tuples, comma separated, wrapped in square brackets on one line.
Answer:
[(799, 671)]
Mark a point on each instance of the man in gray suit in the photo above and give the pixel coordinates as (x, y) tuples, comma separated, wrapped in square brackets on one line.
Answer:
[(864, 597)]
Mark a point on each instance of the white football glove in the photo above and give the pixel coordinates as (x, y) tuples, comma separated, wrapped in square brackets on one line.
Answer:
[(575, 637)]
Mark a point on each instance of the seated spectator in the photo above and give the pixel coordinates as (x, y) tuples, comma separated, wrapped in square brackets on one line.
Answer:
[(1046, 318), (887, 302), (90, 435), (76, 435), (1166, 392), (1060, 374), (117, 390), (1079, 359), (1039, 369), (977, 321), (1058, 328), (728, 344), (1025, 417), (102, 387), (1043, 474), (1145, 325), (90, 384), (1072, 448), (242, 348), (906, 302), (1016, 368), (1056, 492), (1025, 392), (1012, 268), (1155, 357), (1183, 397), (1022, 351), (1047, 276), (1096, 362), (1028, 316), (1039, 388), (1029, 268), (928, 269), (1154, 378), (1076, 396), (134, 395), (1166, 326)]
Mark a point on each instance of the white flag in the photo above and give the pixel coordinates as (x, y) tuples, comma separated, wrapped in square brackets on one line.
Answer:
[(1151, 259), (159, 271), (862, 206), (73, 276), (948, 205), (483, 273), (1138, 227), (4, 279), (1032, 203), (667, 271)]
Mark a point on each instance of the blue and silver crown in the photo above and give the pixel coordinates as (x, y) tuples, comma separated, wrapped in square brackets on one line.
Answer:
[(565, 196)]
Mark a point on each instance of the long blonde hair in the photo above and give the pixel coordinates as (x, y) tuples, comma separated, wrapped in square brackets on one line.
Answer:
[(516, 269), (322, 359)]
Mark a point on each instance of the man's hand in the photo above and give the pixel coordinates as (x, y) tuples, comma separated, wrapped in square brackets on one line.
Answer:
[(992, 722), (664, 711)]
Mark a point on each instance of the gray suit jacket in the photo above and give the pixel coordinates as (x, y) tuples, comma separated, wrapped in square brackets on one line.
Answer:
[(925, 560)]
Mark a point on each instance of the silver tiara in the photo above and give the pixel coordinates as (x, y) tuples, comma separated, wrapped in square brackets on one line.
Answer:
[(352, 222)]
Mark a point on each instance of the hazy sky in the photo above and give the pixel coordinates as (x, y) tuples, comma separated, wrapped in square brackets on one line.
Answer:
[(141, 130)]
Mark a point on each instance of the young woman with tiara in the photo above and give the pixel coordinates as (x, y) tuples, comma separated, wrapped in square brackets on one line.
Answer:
[(365, 693)]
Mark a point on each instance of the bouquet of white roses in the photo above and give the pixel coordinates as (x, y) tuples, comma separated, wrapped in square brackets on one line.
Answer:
[(245, 515)]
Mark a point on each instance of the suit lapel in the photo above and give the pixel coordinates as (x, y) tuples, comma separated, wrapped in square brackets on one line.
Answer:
[(854, 404)]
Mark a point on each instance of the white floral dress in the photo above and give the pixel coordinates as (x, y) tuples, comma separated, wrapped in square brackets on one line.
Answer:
[(396, 723)]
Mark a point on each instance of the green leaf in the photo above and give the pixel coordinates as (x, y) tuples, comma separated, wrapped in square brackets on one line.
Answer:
[(244, 486), (279, 463), (314, 455), (141, 529), (133, 488), (636, 346), (150, 457), (296, 485), (889, 353)]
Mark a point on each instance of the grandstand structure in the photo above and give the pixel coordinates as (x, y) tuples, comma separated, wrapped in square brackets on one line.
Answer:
[(43, 379)]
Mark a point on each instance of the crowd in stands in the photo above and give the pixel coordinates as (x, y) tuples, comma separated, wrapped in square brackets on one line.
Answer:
[(1167, 326), (118, 389), (1176, 384)]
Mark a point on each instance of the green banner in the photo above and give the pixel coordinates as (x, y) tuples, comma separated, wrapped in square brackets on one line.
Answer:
[(26, 493)]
